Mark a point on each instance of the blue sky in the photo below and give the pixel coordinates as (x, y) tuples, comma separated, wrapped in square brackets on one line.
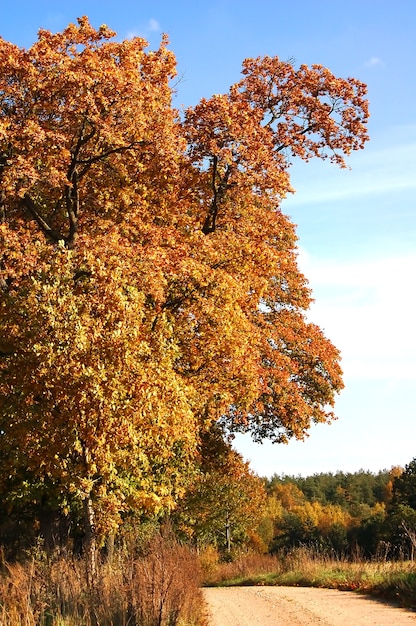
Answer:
[(357, 228)]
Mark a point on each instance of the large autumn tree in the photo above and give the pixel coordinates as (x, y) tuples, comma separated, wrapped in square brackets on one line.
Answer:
[(149, 278)]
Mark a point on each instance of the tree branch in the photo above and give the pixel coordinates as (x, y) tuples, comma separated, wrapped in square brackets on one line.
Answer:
[(3, 162), (7, 348), (210, 222), (46, 228), (99, 157), (72, 206)]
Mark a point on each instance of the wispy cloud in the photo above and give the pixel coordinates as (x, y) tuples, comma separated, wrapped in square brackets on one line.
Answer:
[(375, 171), (373, 61), (151, 26)]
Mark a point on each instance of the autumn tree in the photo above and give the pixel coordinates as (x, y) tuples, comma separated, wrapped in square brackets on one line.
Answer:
[(149, 279), (225, 503), (315, 525), (345, 512), (90, 149), (349, 490)]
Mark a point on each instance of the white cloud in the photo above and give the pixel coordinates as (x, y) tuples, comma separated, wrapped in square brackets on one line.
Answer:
[(372, 62), (153, 25), (379, 171), (366, 307)]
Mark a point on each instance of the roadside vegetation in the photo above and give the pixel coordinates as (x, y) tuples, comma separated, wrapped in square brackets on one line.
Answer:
[(391, 580), (150, 583), (343, 531)]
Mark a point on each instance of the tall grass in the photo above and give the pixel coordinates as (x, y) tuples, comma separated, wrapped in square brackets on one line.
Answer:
[(243, 567), (161, 587), (392, 580)]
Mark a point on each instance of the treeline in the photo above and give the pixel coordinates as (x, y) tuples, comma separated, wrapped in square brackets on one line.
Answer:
[(349, 514), (230, 509), (352, 491)]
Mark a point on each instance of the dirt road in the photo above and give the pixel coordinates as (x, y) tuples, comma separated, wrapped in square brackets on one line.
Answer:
[(299, 606)]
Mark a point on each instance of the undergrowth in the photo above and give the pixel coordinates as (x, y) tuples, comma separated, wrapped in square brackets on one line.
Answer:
[(159, 587)]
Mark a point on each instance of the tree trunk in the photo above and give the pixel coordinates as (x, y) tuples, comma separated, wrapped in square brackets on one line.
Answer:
[(90, 544), (228, 534), (110, 546)]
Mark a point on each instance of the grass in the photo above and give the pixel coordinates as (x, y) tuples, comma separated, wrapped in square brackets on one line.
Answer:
[(390, 580), (160, 587)]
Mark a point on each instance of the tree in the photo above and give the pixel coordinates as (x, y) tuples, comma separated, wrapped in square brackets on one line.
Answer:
[(225, 503), (82, 395), (288, 494), (149, 278), (404, 486), (312, 524), (400, 526), (340, 512), (367, 534)]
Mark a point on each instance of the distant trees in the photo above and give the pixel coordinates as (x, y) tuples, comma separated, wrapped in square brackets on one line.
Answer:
[(401, 521), (348, 490), (361, 514), (347, 513)]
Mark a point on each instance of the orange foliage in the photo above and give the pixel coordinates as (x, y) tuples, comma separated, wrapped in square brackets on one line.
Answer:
[(288, 495)]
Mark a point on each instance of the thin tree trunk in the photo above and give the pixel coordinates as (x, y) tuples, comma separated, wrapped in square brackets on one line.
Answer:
[(228, 534), (110, 546), (90, 540)]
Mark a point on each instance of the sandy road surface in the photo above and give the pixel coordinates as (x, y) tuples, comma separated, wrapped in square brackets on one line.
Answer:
[(298, 606)]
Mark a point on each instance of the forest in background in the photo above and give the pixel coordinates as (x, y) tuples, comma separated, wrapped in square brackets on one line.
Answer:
[(360, 515)]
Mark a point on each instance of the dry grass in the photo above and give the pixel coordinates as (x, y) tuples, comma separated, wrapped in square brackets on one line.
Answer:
[(393, 580), (243, 567), (159, 588)]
